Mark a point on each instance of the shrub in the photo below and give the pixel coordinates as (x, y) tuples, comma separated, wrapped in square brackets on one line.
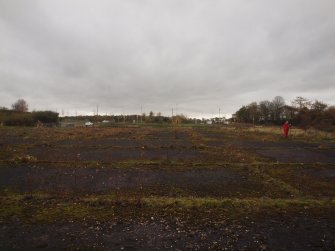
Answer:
[(45, 117), (13, 118), (19, 119)]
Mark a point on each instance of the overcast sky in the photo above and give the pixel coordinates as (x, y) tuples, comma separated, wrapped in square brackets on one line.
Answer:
[(195, 54)]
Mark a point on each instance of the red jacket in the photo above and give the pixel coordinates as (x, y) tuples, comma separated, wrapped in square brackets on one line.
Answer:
[(286, 127)]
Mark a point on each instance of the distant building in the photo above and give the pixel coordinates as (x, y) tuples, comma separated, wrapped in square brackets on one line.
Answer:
[(89, 124), (217, 120)]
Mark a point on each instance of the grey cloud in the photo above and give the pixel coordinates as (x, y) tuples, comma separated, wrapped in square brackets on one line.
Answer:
[(197, 54)]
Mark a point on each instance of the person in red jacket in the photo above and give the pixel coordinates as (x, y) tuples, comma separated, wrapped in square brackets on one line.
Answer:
[(286, 128)]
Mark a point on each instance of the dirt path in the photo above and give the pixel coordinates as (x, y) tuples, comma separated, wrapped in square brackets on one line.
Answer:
[(192, 182), (285, 231)]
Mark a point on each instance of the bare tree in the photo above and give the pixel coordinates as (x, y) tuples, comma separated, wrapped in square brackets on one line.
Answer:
[(265, 110), (278, 104), (319, 106), (20, 106), (253, 112), (301, 102)]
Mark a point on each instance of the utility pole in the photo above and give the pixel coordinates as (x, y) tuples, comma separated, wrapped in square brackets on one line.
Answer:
[(97, 110), (219, 115), (141, 114), (172, 115)]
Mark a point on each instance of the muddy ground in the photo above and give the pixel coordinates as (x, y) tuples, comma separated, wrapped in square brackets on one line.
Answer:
[(274, 232), (164, 188)]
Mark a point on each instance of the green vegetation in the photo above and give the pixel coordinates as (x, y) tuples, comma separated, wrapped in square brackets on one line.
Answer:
[(44, 208), (14, 118)]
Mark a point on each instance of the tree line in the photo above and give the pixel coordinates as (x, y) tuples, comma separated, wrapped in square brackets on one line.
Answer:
[(19, 116), (144, 118), (302, 112)]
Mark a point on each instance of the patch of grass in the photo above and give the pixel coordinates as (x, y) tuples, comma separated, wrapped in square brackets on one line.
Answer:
[(41, 209), (273, 184), (23, 159), (73, 211), (304, 177), (231, 154), (248, 204), (10, 208)]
